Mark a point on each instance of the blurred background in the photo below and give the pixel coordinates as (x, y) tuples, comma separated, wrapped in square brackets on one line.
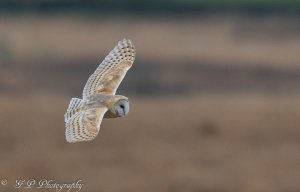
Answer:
[(214, 91)]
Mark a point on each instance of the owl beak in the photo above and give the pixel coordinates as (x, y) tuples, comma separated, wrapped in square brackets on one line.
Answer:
[(120, 114)]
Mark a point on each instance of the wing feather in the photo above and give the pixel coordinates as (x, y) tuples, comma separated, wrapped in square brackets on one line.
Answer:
[(74, 106), (84, 125), (112, 70)]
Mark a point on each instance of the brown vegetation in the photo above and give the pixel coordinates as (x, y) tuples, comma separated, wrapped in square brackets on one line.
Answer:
[(225, 143), (214, 104)]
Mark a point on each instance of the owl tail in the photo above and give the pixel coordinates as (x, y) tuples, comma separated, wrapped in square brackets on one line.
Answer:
[(74, 107)]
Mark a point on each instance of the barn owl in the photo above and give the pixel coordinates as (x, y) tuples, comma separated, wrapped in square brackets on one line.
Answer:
[(84, 116)]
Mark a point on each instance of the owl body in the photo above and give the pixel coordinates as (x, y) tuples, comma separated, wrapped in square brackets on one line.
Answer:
[(103, 100), (84, 116)]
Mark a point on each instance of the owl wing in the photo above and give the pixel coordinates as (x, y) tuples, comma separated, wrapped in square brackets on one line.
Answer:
[(111, 71), (84, 125)]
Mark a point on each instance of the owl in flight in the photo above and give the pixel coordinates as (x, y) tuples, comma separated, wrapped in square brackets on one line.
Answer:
[(83, 117)]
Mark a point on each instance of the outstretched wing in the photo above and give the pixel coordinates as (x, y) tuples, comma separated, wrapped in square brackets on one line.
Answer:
[(111, 71), (84, 125)]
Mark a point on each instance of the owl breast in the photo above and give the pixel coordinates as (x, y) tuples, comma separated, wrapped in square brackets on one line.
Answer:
[(110, 114)]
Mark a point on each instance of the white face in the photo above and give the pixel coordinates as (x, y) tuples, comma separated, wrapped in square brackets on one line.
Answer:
[(121, 108)]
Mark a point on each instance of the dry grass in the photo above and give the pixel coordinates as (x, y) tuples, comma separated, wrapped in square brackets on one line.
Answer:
[(241, 133), (208, 143)]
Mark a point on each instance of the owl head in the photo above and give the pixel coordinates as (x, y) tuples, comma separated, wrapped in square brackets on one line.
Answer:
[(118, 107), (121, 107)]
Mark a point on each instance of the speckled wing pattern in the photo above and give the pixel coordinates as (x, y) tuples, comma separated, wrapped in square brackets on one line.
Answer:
[(111, 71), (74, 106), (84, 125)]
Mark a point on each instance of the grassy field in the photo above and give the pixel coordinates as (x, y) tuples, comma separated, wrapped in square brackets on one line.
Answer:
[(215, 103), (207, 143)]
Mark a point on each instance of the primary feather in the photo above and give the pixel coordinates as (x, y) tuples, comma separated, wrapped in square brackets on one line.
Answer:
[(111, 71), (74, 107)]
